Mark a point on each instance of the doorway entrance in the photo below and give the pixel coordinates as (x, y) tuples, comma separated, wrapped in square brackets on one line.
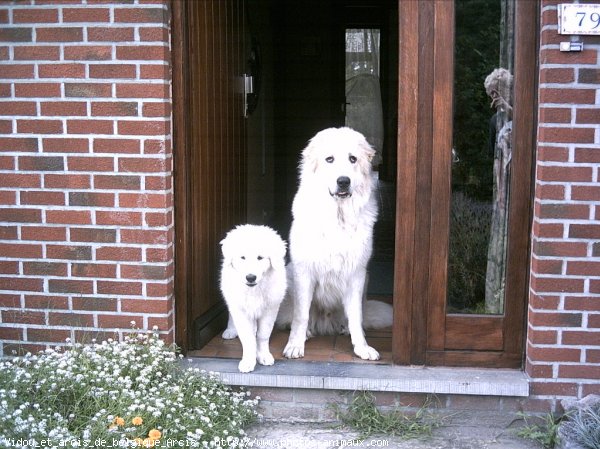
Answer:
[(334, 63), (309, 65)]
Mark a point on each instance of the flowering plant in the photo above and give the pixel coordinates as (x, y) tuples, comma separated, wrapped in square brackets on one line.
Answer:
[(132, 393)]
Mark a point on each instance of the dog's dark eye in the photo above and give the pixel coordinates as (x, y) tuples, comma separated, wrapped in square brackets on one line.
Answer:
[(329, 159), (352, 159), (243, 257), (259, 258)]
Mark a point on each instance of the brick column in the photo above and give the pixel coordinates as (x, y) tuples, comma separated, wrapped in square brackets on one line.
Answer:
[(563, 347), (86, 223)]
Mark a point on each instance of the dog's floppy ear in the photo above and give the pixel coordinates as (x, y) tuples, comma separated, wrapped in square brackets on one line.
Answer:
[(227, 248), (309, 159), (366, 148), (277, 253)]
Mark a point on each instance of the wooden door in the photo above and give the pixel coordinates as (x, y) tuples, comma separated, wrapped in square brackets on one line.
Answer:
[(210, 155), (425, 331)]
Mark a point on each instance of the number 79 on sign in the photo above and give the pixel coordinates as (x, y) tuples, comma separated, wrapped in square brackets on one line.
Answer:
[(578, 18)]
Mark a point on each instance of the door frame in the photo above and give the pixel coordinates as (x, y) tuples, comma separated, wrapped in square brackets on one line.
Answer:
[(423, 333), (424, 96), (182, 320)]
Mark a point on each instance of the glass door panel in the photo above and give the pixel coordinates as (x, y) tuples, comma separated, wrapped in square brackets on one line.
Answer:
[(481, 156)]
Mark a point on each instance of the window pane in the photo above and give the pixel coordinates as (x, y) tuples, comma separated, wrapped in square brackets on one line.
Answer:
[(481, 156)]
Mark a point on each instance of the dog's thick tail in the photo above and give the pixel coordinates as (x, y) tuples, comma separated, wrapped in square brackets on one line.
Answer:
[(377, 315)]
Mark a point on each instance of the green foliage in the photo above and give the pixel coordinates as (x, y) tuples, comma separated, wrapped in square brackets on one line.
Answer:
[(363, 416), (467, 260), (544, 430), (476, 55), (130, 393)]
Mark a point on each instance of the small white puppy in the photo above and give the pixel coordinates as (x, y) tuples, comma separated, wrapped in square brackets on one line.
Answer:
[(253, 283)]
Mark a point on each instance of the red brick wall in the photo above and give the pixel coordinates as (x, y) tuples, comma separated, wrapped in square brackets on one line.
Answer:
[(86, 225), (563, 348)]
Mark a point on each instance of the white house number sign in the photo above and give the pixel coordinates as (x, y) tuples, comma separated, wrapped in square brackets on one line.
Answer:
[(576, 18)]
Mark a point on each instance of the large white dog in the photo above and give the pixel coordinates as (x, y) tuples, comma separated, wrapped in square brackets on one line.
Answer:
[(253, 283), (331, 237)]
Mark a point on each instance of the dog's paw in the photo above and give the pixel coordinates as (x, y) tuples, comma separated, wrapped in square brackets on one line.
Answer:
[(265, 359), (230, 334), (366, 352), (245, 366), (293, 351)]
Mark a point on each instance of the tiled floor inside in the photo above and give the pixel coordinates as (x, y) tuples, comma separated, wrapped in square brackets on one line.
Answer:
[(380, 286), (323, 349)]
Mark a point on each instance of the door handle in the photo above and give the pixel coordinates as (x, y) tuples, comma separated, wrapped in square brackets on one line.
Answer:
[(248, 90)]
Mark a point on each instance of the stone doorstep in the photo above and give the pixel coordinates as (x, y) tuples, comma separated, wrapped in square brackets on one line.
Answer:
[(370, 377)]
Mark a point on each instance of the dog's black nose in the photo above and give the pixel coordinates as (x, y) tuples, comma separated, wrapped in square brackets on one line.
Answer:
[(343, 182), (251, 278)]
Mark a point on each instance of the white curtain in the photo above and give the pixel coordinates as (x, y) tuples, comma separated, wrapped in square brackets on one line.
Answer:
[(364, 111)]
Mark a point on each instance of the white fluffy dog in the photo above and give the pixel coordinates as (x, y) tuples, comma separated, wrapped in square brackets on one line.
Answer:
[(376, 315), (331, 237), (253, 283)]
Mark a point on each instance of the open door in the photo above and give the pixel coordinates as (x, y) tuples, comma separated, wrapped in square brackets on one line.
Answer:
[(449, 310), (210, 156)]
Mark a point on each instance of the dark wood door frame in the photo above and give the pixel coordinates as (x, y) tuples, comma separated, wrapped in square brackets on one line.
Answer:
[(424, 131), (423, 332), (181, 175)]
